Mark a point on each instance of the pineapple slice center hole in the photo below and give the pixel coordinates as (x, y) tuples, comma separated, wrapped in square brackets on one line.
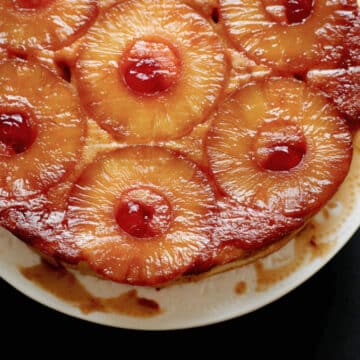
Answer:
[(289, 12), (279, 147), (150, 67), (143, 213), (31, 4), (17, 130)]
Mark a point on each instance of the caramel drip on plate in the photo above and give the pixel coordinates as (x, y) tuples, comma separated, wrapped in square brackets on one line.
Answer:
[(269, 276), (65, 286), (241, 288)]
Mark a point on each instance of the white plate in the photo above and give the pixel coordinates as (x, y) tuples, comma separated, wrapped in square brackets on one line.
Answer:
[(214, 299)]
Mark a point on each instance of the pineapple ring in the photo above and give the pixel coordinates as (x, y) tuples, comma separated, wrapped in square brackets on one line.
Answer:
[(174, 47), (153, 229), (41, 129), (287, 149), (61, 22), (289, 48)]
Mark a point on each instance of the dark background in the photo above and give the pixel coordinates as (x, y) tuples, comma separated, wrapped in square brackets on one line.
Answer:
[(319, 320)]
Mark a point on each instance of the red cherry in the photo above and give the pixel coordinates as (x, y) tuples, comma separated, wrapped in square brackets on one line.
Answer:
[(16, 134), (298, 10), (279, 146), (143, 213), (135, 218), (282, 157), (150, 68), (31, 4)]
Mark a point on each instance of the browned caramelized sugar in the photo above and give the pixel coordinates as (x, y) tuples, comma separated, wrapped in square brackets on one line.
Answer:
[(267, 277), (307, 247), (65, 286), (241, 288), (31, 4)]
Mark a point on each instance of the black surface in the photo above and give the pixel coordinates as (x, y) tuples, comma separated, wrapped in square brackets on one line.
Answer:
[(319, 320)]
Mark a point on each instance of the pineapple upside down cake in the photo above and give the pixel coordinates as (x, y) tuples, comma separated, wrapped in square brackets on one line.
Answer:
[(150, 140)]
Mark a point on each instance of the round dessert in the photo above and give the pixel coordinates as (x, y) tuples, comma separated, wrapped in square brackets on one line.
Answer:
[(150, 70), (289, 35), (134, 215), (213, 130), (49, 24), (41, 129)]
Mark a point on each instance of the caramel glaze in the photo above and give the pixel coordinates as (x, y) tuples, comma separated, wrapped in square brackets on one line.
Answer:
[(308, 247), (241, 288), (98, 142), (304, 242), (65, 286)]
